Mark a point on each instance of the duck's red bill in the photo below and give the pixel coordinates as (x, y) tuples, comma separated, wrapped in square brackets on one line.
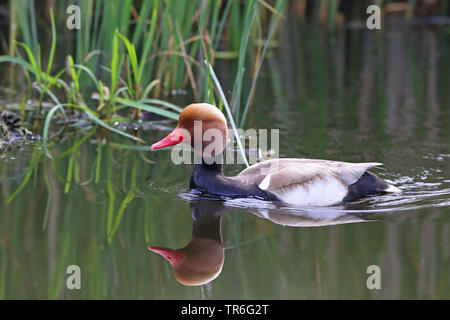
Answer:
[(173, 256), (175, 137)]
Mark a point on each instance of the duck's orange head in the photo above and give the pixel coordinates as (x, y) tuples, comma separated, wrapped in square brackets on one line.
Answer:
[(201, 121)]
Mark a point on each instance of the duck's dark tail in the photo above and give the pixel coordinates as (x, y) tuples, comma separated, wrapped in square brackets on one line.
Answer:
[(368, 184)]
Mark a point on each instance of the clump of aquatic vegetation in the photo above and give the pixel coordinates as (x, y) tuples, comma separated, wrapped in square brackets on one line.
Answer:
[(11, 131), (128, 58)]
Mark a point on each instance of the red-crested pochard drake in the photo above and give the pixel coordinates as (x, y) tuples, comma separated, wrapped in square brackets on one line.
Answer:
[(295, 181)]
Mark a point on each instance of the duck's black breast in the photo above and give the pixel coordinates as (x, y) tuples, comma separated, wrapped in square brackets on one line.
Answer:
[(210, 179)]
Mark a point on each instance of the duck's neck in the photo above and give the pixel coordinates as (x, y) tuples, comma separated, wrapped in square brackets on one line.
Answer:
[(209, 178), (214, 167), (205, 174)]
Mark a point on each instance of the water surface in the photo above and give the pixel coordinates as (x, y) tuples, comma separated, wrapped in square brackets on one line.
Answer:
[(356, 96)]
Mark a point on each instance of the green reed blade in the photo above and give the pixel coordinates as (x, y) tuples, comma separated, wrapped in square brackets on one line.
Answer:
[(149, 88), (132, 57), (29, 67), (149, 39), (218, 36), (31, 58), (145, 107), (99, 161), (114, 67), (139, 31), (126, 201), (129, 147), (279, 7), (91, 75), (250, 15), (73, 73), (53, 45), (163, 103), (52, 96), (69, 173), (230, 115), (111, 197), (35, 158), (24, 24)]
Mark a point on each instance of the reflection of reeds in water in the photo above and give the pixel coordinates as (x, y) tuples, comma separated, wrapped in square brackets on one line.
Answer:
[(432, 82), (52, 225), (393, 60), (130, 51), (398, 84)]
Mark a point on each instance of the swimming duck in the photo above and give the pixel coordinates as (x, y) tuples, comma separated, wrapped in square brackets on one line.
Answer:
[(310, 182)]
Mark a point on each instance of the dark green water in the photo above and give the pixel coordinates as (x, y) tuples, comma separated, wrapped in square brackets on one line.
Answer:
[(359, 96)]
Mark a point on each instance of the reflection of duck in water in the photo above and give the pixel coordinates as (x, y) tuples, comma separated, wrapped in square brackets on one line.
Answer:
[(293, 216), (202, 259), (309, 218)]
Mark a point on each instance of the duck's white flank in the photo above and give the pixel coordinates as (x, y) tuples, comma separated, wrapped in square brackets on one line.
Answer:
[(321, 192)]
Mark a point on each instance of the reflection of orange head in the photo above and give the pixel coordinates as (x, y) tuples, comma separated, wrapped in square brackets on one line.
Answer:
[(173, 256), (198, 263)]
